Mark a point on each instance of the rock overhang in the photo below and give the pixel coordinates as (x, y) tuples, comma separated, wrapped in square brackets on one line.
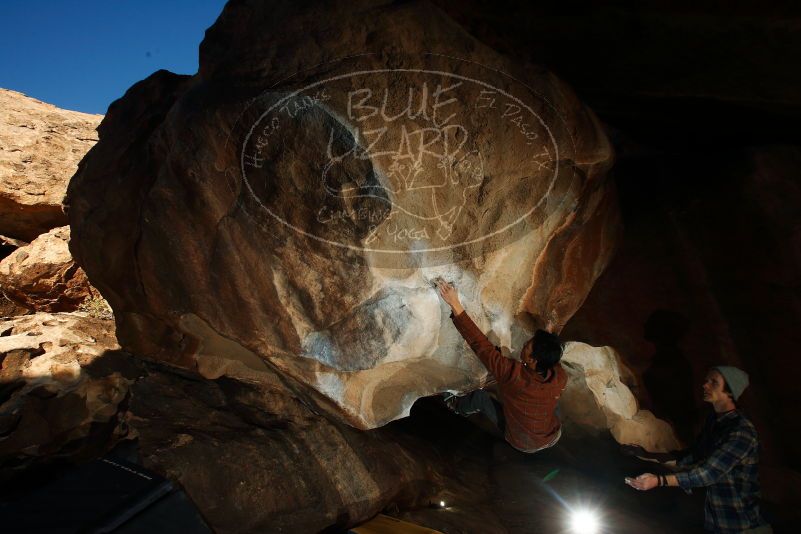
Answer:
[(301, 215)]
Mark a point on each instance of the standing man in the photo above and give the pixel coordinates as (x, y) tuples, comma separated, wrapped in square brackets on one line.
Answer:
[(724, 460), (528, 390)]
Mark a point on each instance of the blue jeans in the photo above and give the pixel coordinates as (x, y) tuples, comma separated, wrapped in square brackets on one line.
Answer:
[(479, 401)]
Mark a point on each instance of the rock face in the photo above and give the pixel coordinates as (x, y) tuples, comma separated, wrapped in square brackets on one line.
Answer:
[(597, 397), (254, 458), (277, 465), (285, 211), (40, 147), (42, 276), (61, 387)]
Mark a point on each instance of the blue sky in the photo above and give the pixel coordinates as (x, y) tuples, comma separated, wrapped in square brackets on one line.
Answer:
[(83, 54)]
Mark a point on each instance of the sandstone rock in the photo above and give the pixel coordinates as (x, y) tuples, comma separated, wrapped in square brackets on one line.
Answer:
[(40, 147), (283, 211), (42, 276), (62, 382), (596, 396), (254, 458)]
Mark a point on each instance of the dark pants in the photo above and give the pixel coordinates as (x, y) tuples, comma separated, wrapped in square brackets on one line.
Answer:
[(479, 401)]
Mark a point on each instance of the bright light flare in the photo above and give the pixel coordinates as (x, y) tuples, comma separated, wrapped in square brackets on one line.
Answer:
[(584, 522), (442, 504)]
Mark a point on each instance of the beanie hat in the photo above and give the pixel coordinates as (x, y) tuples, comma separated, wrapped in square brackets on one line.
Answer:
[(737, 379)]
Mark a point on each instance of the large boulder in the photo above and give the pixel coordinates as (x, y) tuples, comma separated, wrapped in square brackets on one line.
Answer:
[(40, 147), (42, 275), (285, 211), (63, 383)]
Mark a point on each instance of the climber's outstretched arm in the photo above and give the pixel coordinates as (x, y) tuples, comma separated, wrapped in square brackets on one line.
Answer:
[(496, 363)]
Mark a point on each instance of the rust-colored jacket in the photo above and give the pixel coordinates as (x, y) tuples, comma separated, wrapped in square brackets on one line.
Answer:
[(529, 400)]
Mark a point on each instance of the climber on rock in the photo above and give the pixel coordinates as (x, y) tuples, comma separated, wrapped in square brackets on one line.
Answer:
[(528, 390), (724, 459)]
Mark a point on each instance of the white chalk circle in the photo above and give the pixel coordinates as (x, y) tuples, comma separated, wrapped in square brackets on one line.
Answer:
[(401, 156)]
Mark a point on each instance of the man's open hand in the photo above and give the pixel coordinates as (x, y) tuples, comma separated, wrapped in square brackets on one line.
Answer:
[(644, 482)]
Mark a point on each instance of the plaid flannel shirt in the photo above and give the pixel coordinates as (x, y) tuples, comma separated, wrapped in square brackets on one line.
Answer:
[(725, 460)]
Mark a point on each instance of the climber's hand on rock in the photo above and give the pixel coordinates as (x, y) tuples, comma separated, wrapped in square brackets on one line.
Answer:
[(449, 294), (644, 482)]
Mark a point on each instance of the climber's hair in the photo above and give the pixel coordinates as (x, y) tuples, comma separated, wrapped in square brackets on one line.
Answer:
[(547, 350)]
